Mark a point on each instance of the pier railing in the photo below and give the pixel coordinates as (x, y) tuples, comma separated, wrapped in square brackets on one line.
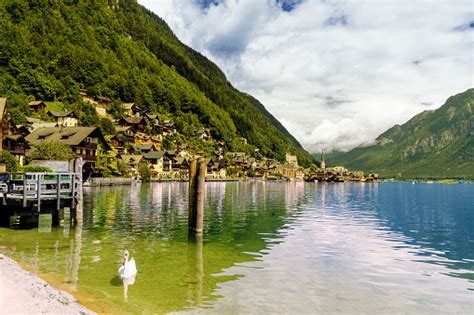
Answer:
[(37, 187)]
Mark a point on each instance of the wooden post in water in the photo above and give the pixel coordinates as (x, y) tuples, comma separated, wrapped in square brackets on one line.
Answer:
[(38, 192), (191, 195), (78, 214), (197, 191), (200, 194)]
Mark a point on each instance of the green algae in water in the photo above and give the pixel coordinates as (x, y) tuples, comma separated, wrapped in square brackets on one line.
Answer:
[(150, 221)]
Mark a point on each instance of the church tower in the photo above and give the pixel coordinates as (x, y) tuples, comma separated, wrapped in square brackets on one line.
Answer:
[(322, 165)]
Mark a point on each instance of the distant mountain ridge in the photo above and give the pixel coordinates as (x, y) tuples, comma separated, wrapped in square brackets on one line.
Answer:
[(433, 144), (118, 49)]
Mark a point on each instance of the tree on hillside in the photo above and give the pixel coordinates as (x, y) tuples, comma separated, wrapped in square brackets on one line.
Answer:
[(116, 109), (52, 151)]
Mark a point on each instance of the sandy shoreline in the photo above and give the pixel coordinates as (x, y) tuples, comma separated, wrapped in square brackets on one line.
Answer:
[(22, 292)]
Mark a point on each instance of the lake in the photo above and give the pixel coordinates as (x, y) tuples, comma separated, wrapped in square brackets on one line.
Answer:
[(267, 248)]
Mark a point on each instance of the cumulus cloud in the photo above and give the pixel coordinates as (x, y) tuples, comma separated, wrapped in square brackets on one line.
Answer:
[(336, 73)]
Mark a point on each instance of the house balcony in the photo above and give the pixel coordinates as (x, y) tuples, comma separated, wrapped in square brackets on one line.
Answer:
[(88, 158), (89, 145), (16, 150)]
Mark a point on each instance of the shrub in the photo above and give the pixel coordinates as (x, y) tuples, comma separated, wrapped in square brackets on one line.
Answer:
[(9, 160), (36, 169), (51, 151)]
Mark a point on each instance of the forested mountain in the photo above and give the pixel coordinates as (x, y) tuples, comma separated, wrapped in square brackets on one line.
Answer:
[(49, 49), (433, 144)]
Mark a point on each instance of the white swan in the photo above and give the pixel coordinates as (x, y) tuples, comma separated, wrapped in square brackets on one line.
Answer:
[(128, 268)]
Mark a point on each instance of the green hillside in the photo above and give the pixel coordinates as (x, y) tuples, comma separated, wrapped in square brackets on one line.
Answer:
[(49, 49), (433, 144)]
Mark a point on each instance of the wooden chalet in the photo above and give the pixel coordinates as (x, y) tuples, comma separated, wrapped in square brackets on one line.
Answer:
[(102, 100), (37, 106), (168, 159), (126, 132), (203, 133), (146, 147), (115, 142), (65, 118), (16, 145), (84, 141), (132, 161), (136, 123), (130, 109), (239, 159), (155, 159)]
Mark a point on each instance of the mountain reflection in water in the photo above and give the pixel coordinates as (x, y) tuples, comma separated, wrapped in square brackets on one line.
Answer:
[(267, 247)]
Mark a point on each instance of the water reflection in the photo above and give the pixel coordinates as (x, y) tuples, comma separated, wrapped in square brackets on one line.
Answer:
[(195, 262), (310, 245)]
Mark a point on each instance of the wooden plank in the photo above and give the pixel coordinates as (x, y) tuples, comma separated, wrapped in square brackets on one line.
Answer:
[(58, 194), (73, 192), (78, 209), (24, 191), (38, 192)]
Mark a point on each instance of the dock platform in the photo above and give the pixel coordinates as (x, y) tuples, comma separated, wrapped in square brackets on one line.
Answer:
[(28, 195)]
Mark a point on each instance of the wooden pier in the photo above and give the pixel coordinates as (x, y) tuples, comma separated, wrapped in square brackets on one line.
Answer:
[(27, 195)]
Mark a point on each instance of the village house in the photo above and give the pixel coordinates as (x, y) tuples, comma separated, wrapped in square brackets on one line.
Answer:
[(136, 123), (34, 123), (37, 106), (237, 159), (102, 100), (142, 138), (84, 141), (126, 133), (165, 128), (203, 133), (132, 161), (11, 140), (115, 142), (16, 145), (131, 109), (64, 118), (168, 161), (146, 148), (291, 160), (339, 170), (99, 108), (216, 169), (180, 167), (155, 159), (289, 169)]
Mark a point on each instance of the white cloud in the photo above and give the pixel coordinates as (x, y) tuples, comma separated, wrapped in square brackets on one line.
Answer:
[(336, 73)]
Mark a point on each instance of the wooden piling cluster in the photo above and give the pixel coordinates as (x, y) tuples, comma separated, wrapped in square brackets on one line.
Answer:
[(197, 191)]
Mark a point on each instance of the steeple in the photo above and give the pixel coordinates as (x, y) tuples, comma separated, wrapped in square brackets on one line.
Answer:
[(322, 165)]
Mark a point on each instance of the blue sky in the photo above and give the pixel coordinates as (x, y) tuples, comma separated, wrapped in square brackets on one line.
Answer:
[(336, 73)]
